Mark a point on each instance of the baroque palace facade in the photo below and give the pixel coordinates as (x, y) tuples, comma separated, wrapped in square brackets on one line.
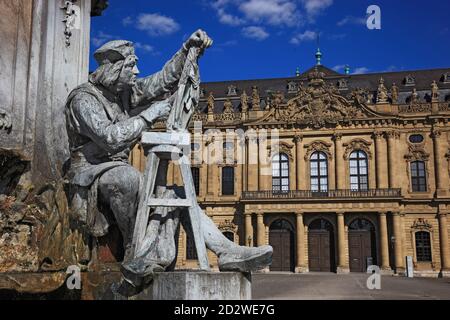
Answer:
[(359, 176)]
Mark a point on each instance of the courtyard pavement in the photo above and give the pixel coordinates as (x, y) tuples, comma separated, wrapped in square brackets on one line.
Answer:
[(330, 286)]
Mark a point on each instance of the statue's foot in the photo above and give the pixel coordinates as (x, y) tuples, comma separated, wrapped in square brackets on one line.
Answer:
[(246, 259), (137, 278)]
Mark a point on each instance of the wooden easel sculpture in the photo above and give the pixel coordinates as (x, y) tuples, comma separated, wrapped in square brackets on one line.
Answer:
[(161, 148)]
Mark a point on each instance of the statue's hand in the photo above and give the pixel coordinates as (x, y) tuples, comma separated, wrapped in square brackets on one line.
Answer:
[(158, 111), (199, 39)]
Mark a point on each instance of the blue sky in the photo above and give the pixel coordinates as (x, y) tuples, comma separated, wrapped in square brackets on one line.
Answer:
[(270, 38)]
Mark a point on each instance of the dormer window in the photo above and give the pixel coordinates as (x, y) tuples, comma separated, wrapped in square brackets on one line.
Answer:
[(232, 91), (446, 77), (409, 80), (292, 87), (342, 84)]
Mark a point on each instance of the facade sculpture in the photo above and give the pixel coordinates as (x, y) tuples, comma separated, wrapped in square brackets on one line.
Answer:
[(102, 131)]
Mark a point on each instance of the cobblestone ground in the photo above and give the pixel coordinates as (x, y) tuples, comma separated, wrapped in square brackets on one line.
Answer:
[(329, 286)]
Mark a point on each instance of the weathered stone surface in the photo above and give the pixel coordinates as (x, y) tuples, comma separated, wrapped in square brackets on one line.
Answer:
[(178, 285)]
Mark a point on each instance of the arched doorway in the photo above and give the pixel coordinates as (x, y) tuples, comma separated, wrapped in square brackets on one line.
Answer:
[(361, 245), (281, 238), (321, 249)]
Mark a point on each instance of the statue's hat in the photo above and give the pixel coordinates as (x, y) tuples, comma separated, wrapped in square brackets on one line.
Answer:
[(114, 51)]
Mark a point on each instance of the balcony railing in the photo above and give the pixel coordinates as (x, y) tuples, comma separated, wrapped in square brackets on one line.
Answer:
[(330, 194)]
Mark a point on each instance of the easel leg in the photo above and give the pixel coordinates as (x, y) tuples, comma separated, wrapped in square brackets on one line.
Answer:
[(140, 228), (194, 215)]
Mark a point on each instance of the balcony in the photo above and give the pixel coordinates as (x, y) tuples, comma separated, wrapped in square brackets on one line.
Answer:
[(317, 195)]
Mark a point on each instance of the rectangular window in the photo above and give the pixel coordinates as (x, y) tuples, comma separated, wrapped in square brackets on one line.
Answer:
[(196, 178), (418, 176), (228, 181)]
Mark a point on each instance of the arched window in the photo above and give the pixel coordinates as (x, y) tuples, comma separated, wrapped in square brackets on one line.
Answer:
[(280, 172), (196, 177), (229, 235), (319, 171), (418, 176), (423, 246), (228, 180), (359, 177), (191, 251)]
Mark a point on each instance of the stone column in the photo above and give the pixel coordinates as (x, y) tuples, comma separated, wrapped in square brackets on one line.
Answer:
[(342, 264), (380, 160), (253, 174), (244, 163), (392, 152), (440, 165), (264, 164), (398, 249), (261, 230), (210, 169), (248, 230), (298, 139), (300, 263), (384, 241), (339, 162), (443, 241)]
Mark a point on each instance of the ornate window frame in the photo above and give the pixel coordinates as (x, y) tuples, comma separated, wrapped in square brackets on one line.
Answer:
[(289, 176), (421, 224), (357, 144), (317, 146), (229, 226), (416, 152)]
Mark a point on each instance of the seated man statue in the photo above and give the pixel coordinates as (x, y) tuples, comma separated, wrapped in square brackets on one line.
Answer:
[(101, 134)]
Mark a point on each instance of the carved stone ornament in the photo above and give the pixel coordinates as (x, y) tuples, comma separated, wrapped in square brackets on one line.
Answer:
[(210, 103), (318, 146), (357, 145), (71, 18), (434, 91), (228, 114), (199, 116), (318, 105), (416, 153), (228, 225), (414, 105), (421, 224), (394, 93), (382, 93), (280, 147), (5, 120), (256, 101), (244, 102)]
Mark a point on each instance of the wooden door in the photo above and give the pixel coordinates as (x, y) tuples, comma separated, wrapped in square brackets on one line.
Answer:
[(319, 251), (360, 248), (281, 241)]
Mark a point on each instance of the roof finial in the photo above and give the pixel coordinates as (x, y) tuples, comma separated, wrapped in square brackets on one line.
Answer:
[(297, 72), (347, 69), (318, 53)]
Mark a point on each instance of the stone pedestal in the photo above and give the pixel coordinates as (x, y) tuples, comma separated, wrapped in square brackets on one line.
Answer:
[(178, 285)]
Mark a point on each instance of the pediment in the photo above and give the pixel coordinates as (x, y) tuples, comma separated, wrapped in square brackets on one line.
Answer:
[(318, 105)]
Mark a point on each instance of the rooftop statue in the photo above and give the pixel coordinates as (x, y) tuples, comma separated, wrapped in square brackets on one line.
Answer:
[(102, 130)]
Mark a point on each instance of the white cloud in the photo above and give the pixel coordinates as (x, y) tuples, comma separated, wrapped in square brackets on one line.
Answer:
[(352, 20), (339, 67), (253, 32), (273, 12), (156, 24), (127, 21), (361, 70), (101, 38), (308, 35), (144, 47), (313, 7), (229, 19)]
